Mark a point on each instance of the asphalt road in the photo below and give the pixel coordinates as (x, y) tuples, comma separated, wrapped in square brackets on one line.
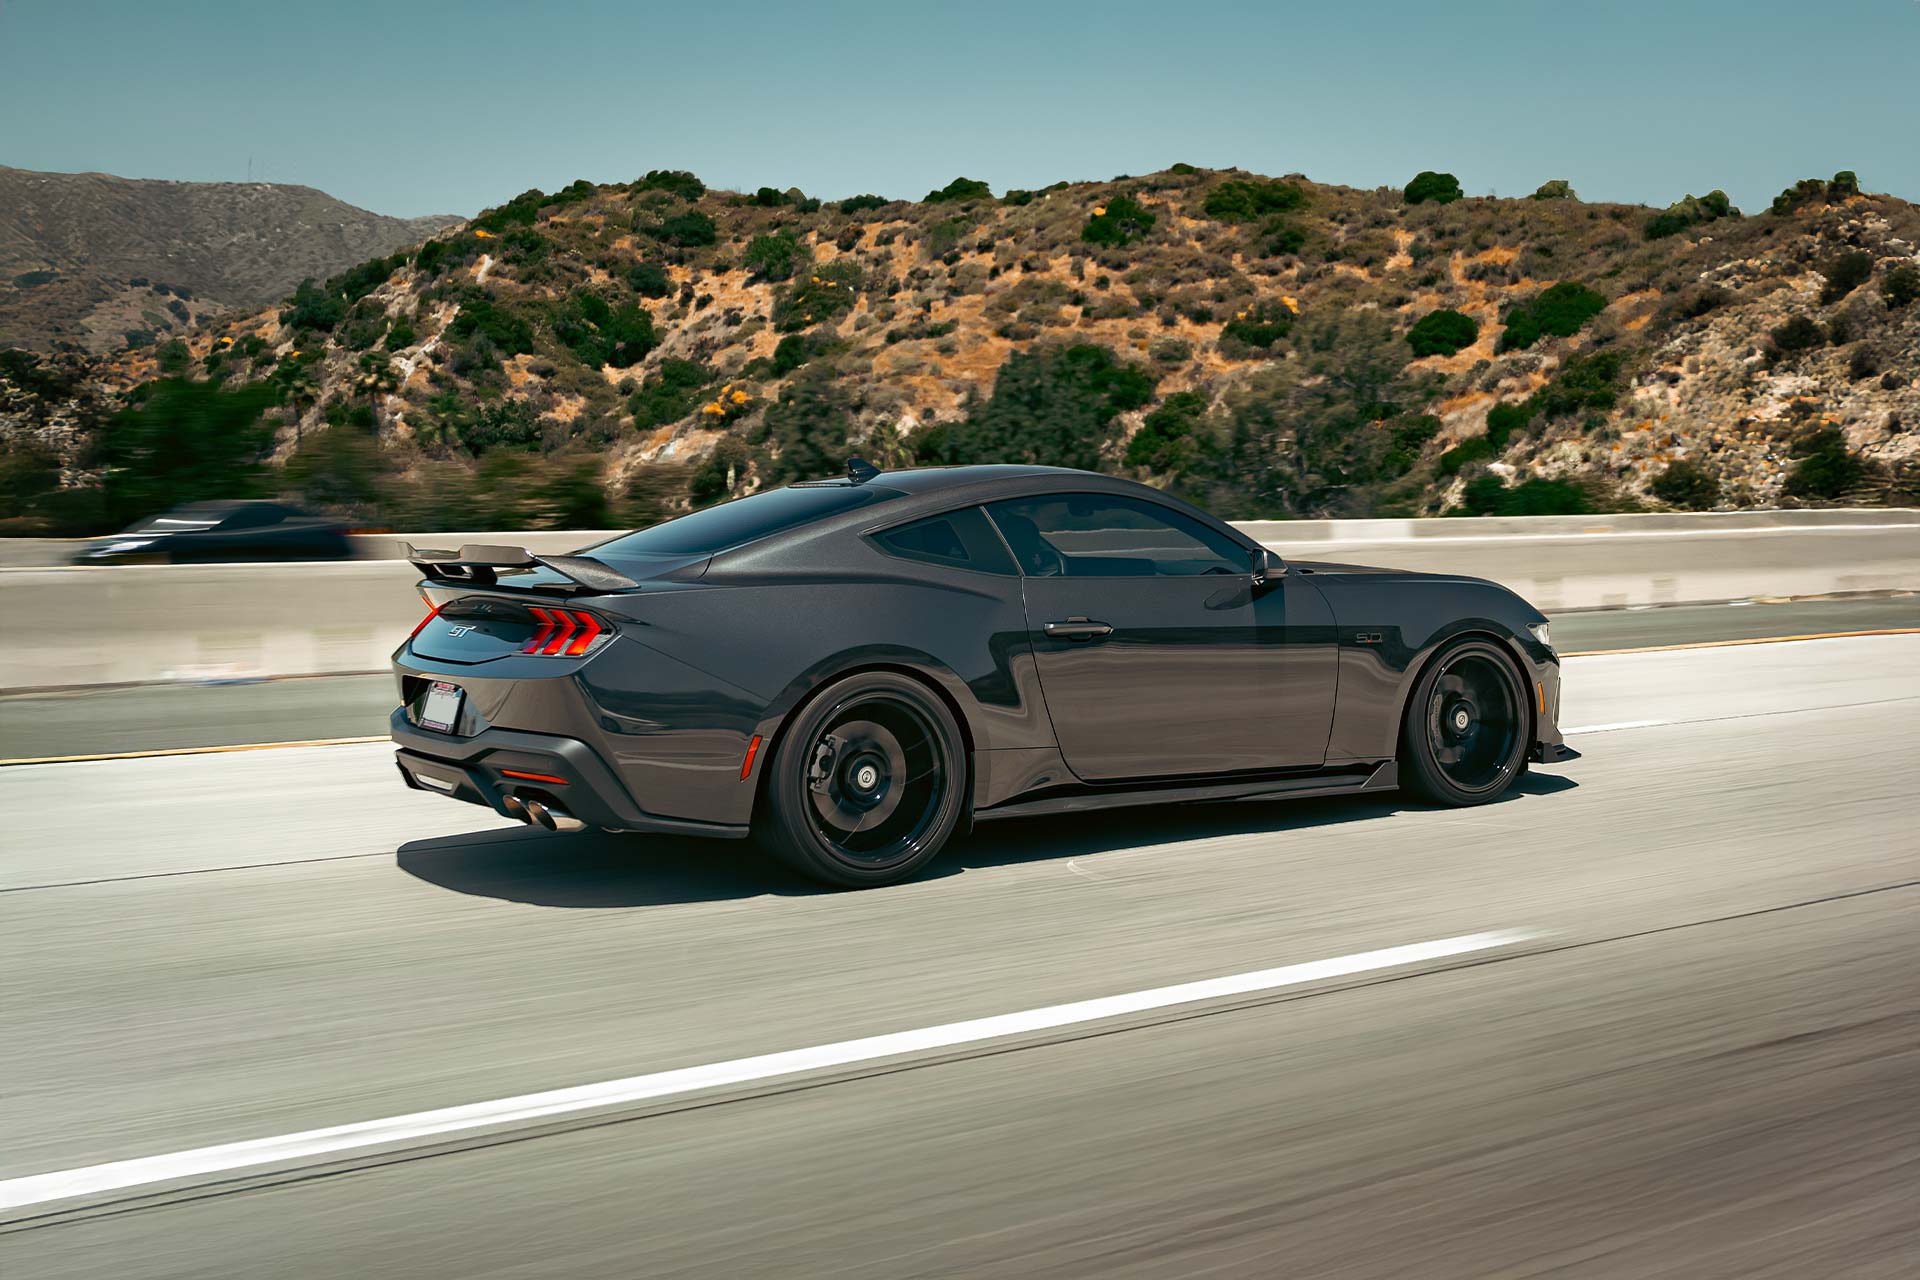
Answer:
[(173, 717), (1692, 1053)]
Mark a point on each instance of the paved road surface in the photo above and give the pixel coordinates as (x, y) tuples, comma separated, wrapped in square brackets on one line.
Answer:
[(163, 717), (1703, 1060)]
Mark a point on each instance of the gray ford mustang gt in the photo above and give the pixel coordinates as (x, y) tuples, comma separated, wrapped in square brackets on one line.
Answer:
[(854, 669)]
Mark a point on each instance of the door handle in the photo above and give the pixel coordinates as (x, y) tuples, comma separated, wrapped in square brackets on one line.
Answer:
[(1078, 629)]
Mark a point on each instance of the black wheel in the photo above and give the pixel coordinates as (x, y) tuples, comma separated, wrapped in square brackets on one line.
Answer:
[(868, 783), (1463, 737)]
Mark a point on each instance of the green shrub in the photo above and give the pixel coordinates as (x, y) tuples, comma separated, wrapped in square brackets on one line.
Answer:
[(506, 329), (1244, 200), (1478, 449), (773, 256), (959, 191), (1560, 310), (1171, 437), (1686, 485), (789, 354), (1589, 381), (1901, 288), (862, 204), (1845, 272), (1506, 418), (721, 473), (1120, 221), (674, 181), (1437, 188), (1826, 469), (1410, 437), (1811, 191), (1555, 189), (670, 394), (649, 280), (1442, 333), (173, 357), (1018, 198), (1798, 334), (314, 308), (601, 334), (1489, 495), (503, 424), (1689, 212), (521, 211), (767, 198), (28, 473), (1256, 329), (400, 335), (1280, 238), (821, 298), (689, 230)]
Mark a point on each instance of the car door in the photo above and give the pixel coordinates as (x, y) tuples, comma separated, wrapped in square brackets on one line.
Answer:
[(1159, 654)]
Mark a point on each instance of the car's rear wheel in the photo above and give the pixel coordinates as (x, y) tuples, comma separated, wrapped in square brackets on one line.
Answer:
[(1463, 736), (867, 784)]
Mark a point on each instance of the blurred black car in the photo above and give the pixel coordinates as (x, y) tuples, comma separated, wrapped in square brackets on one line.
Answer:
[(223, 532)]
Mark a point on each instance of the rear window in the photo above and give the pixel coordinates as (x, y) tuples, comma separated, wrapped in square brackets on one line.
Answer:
[(744, 520)]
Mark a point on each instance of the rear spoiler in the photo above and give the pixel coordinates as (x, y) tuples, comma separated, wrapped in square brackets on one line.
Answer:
[(478, 563)]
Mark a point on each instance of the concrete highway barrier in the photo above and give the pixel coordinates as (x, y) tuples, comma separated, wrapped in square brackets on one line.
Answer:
[(74, 626)]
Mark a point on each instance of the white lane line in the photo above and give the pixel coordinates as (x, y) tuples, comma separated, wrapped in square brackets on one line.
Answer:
[(121, 1174), (1617, 724)]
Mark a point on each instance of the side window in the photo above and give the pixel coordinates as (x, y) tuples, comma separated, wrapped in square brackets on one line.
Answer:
[(960, 539), (1097, 535), (255, 515)]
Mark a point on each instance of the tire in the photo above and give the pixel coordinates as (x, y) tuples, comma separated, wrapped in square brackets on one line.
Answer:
[(1464, 732), (868, 783)]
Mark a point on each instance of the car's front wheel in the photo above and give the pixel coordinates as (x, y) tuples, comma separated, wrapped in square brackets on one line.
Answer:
[(867, 784), (1463, 736)]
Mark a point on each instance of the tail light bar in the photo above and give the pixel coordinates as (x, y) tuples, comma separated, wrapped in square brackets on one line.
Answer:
[(564, 633)]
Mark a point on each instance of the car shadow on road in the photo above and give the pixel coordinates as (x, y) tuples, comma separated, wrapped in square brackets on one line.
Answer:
[(599, 870)]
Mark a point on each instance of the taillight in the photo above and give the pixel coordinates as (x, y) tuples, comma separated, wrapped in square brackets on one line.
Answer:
[(432, 610), (563, 633)]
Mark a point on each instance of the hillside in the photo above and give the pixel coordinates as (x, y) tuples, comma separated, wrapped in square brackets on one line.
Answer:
[(89, 259), (1269, 347)]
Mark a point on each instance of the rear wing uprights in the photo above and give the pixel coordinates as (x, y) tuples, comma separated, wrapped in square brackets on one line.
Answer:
[(477, 564)]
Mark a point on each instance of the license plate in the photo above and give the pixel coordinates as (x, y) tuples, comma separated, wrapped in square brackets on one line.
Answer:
[(441, 710)]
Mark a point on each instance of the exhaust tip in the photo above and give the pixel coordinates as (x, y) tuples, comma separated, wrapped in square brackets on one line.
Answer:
[(539, 813), (516, 808)]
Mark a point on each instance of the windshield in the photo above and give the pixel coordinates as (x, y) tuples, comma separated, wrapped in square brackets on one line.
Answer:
[(743, 520)]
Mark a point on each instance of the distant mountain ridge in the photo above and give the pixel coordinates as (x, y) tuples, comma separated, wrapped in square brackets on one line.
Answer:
[(88, 258)]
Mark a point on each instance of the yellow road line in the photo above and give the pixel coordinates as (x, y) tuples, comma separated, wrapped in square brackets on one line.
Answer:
[(1722, 644), (194, 751)]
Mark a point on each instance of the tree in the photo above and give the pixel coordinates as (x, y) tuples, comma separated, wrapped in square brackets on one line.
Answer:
[(183, 441), (1901, 288), (1556, 189), (1172, 437), (1686, 485), (1052, 405), (959, 191), (1244, 200), (1560, 310), (773, 256), (1437, 188), (689, 230), (1826, 468), (1688, 212), (1442, 333), (1117, 222), (1845, 272)]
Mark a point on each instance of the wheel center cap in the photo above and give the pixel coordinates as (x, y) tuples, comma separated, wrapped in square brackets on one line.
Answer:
[(1461, 719), (865, 777)]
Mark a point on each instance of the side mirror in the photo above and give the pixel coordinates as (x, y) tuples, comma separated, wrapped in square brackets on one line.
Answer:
[(1267, 565)]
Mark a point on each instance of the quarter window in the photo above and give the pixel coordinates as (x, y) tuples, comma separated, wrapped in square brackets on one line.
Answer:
[(960, 539), (1092, 535)]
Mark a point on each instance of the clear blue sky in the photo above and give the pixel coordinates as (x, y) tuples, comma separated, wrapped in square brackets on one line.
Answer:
[(411, 108)]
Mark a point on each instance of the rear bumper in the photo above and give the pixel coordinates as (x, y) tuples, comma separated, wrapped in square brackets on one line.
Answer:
[(476, 769)]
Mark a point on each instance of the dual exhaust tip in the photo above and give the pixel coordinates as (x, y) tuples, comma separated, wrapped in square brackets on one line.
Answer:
[(538, 813)]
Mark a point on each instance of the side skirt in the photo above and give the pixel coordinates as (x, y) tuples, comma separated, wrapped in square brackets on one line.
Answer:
[(1384, 776)]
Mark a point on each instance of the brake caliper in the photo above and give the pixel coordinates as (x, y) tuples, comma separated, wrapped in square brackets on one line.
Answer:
[(820, 772)]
